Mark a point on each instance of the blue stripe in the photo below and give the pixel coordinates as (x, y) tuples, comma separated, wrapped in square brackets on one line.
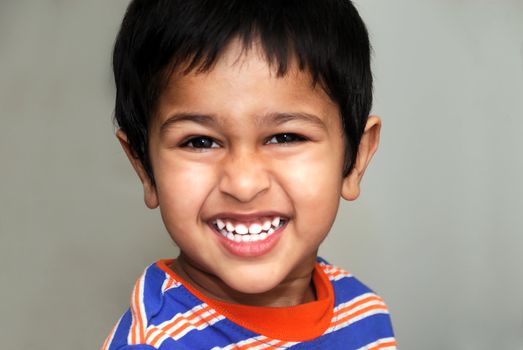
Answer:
[(175, 301), (354, 336), (123, 329), (137, 347), (152, 290), (220, 334), (161, 307), (346, 289)]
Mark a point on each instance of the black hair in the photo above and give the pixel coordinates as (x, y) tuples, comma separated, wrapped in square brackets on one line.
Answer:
[(327, 37)]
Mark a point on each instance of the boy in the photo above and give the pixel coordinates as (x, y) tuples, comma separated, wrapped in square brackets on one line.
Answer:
[(246, 121)]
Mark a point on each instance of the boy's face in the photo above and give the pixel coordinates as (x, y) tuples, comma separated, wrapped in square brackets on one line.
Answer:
[(240, 147)]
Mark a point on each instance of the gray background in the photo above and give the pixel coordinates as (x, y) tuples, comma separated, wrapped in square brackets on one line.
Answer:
[(437, 231)]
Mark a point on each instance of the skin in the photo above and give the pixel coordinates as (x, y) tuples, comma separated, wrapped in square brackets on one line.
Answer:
[(244, 169)]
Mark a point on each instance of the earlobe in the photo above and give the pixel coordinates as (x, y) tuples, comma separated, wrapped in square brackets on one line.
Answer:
[(351, 186), (149, 189), (368, 146)]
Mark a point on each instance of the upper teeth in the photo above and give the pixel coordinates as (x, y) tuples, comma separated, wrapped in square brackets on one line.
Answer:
[(255, 228), (260, 229)]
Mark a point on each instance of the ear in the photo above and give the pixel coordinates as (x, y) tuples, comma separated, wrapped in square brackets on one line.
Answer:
[(149, 190), (368, 146)]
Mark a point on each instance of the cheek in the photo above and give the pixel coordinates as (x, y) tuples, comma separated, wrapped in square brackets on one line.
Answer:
[(182, 188), (316, 207), (314, 184)]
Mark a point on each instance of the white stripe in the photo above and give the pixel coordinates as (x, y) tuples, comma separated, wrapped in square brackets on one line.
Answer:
[(242, 343), (358, 308), (329, 270), (180, 320), (340, 276), (186, 330), (154, 334), (272, 343), (141, 300), (265, 343), (180, 316), (354, 320), (200, 327), (356, 300), (167, 280), (380, 341), (139, 285)]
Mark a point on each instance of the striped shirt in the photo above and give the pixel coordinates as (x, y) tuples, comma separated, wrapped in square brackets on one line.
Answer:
[(166, 313)]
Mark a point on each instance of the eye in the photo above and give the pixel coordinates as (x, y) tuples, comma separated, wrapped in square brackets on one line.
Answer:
[(200, 142), (285, 138)]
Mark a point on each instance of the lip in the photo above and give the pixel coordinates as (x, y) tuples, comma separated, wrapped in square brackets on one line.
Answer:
[(249, 249)]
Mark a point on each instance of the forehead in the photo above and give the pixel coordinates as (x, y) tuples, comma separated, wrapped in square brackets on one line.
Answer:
[(243, 83)]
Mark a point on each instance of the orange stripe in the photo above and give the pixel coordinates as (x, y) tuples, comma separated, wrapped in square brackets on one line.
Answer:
[(253, 342), (170, 282), (277, 345), (330, 270), (333, 270), (165, 330), (137, 315), (356, 314), (359, 313), (162, 333), (206, 319), (133, 323), (189, 318), (150, 332), (337, 273), (383, 345), (136, 311), (356, 304), (265, 341), (276, 323), (196, 324), (158, 336)]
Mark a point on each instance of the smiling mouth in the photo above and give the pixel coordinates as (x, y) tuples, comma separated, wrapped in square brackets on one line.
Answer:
[(253, 231)]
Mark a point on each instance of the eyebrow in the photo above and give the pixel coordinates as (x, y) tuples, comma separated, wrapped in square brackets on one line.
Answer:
[(203, 119), (260, 121), (282, 118)]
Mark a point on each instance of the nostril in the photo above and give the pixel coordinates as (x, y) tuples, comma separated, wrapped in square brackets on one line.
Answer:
[(244, 183)]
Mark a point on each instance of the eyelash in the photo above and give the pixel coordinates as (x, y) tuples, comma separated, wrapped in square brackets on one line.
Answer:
[(186, 144), (294, 138)]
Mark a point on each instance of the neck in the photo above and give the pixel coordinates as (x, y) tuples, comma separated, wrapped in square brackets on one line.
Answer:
[(294, 290)]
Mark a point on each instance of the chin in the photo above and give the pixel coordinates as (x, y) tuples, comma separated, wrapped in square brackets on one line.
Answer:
[(248, 282)]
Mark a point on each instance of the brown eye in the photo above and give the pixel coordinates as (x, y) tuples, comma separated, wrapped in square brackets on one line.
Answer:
[(285, 138), (200, 142)]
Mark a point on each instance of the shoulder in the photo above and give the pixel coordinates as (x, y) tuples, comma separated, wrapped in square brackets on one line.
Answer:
[(358, 310), (147, 302), (346, 285)]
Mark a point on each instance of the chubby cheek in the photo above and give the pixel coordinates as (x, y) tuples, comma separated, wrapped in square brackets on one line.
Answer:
[(182, 190), (315, 187)]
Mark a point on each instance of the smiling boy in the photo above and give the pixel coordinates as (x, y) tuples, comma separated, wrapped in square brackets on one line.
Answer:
[(246, 122)]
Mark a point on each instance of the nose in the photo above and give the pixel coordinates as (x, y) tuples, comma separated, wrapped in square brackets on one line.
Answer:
[(244, 176)]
